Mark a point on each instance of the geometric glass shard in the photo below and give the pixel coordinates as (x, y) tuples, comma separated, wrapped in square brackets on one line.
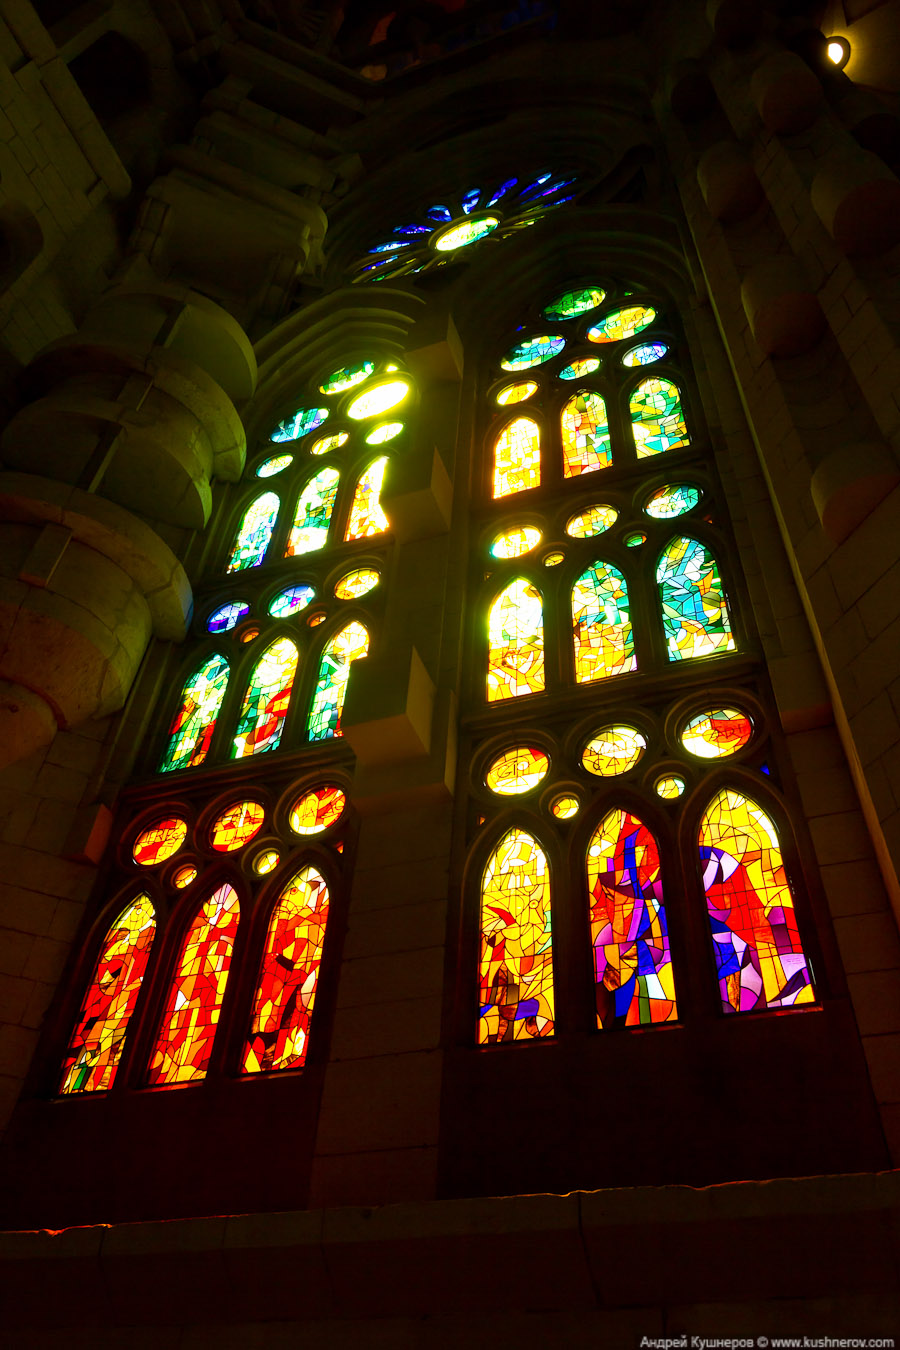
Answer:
[(585, 434), (318, 810), (632, 967), (226, 616), (291, 601), (346, 378), (356, 584), (613, 750), (593, 520), (532, 352), (517, 770), (759, 955), (366, 515), (95, 1048), (326, 443), (254, 533), (515, 393), (379, 400), (159, 841), (273, 465), (517, 457), (513, 543), (717, 733), (286, 988), (573, 303), (604, 645), (184, 1045), (313, 515), (657, 420), (645, 355), (622, 323), (515, 642), (265, 705), (237, 826), (672, 500), (585, 365), (193, 724), (694, 610), (516, 994), (306, 419), (350, 644)]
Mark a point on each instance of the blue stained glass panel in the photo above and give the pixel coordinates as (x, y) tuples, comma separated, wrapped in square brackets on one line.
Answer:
[(502, 190), (470, 200), (302, 421), (439, 213), (226, 616)]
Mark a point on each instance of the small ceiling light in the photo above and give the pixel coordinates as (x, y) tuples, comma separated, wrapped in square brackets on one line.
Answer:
[(838, 51)]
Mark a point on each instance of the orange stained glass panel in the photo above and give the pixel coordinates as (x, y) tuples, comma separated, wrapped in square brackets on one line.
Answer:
[(516, 968), (184, 1045), (516, 642), (366, 515), (237, 826), (159, 841), (95, 1048), (318, 810), (585, 434), (517, 457)]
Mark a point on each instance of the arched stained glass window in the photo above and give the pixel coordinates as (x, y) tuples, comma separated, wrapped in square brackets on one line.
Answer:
[(265, 704), (516, 994), (759, 955), (254, 532), (632, 967), (350, 644), (657, 420), (286, 990), (312, 518), (184, 1045), (585, 434), (694, 609), (604, 644), (517, 457), (92, 1058), (366, 515), (195, 721), (516, 642)]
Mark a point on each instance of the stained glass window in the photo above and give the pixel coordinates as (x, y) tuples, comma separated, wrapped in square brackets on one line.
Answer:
[(194, 1000), (341, 380), (194, 722), (590, 522), (304, 420), (672, 501), (313, 515), (759, 955), (613, 750), (717, 733), (468, 232), (254, 533), (94, 1051), (516, 642), (515, 542), (632, 967), (622, 323), (515, 393), (265, 704), (274, 464), (585, 434), (286, 989), (517, 771), (223, 619), (585, 365), (516, 966), (326, 443), (159, 841), (533, 352), (356, 583), (604, 644), (318, 810), (388, 431), (291, 601), (645, 355), (669, 786), (237, 826), (694, 610), (573, 303), (656, 418), (378, 400), (566, 807), (350, 644), (366, 515), (517, 457)]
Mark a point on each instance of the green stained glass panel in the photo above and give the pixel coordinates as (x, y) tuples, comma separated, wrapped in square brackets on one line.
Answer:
[(347, 377), (657, 420), (254, 533), (304, 420), (266, 701), (194, 722), (694, 609), (533, 352), (573, 303), (350, 644), (313, 515)]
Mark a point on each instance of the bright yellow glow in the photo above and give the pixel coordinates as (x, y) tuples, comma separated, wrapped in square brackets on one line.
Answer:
[(515, 393), (378, 400), (839, 51), (266, 862), (469, 232), (564, 808)]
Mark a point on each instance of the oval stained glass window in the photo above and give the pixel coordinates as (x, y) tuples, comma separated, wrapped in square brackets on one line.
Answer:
[(517, 770), (317, 810), (266, 862), (326, 443), (515, 393), (564, 808), (379, 399), (622, 323), (716, 733), (346, 378), (304, 420), (533, 352), (645, 355), (573, 303), (384, 433), (291, 601), (513, 543), (159, 841), (274, 464), (554, 559), (634, 540), (184, 876), (672, 500), (592, 521), (585, 365), (237, 826), (613, 751), (226, 616), (469, 232), (669, 787), (357, 583)]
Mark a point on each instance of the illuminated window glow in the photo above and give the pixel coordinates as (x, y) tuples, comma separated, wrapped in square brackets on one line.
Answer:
[(366, 515), (318, 810), (265, 704), (604, 645), (592, 521), (515, 542), (237, 826), (585, 434), (356, 584), (388, 431), (656, 418), (515, 393), (645, 355), (341, 380), (291, 601), (350, 644), (516, 966), (468, 232), (694, 610), (573, 303), (566, 808), (326, 443), (313, 515), (717, 733), (622, 323), (533, 352), (303, 421), (159, 841), (223, 619), (273, 465), (195, 721), (672, 501), (613, 751), (517, 771), (517, 458), (669, 787), (515, 642), (380, 399), (585, 365), (254, 533)]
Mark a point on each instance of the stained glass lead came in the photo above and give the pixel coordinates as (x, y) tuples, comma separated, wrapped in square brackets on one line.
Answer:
[(694, 609), (516, 966)]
